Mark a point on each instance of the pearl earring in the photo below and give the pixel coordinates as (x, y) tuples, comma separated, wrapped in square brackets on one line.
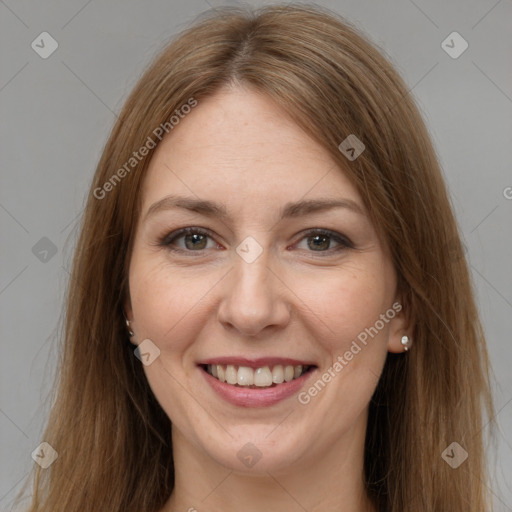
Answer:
[(130, 332), (406, 342)]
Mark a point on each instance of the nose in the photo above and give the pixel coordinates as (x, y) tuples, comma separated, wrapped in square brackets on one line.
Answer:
[(254, 298)]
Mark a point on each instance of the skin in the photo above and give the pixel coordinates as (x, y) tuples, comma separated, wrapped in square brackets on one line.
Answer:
[(239, 149)]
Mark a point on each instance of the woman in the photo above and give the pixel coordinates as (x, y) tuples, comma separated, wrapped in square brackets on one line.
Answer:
[(269, 306)]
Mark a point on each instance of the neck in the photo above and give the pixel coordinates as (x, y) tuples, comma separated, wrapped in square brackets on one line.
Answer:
[(330, 481)]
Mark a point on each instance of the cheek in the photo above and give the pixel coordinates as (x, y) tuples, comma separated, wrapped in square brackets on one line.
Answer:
[(155, 302), (346, 304), (353, 338), (165, 302)]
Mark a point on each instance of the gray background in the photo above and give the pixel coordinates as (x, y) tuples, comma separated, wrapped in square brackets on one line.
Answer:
[(56, 114)]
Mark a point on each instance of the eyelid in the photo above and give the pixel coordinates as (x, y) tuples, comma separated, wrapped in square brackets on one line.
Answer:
[(343, 241), (334, 235)]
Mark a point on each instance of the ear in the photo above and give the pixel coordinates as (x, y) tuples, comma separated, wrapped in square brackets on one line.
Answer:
[(128, 314), (399, 326)]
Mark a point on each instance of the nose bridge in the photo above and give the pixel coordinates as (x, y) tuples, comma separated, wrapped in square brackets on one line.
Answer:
[(254, 297)]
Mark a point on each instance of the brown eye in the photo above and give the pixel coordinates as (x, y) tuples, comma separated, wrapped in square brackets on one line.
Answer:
[(321, 240), (195, 240)]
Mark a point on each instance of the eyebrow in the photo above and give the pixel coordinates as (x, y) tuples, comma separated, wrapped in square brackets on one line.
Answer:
[(212, 209)]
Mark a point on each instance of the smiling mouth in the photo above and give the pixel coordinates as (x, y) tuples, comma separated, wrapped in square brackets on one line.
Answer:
[(256, 378)]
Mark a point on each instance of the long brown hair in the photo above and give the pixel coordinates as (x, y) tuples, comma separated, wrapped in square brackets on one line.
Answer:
[(112, 436)]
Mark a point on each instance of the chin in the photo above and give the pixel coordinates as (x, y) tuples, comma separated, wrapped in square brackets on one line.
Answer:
[(257, 449)]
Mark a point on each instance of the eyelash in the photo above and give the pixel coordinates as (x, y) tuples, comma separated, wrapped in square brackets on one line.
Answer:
[(168, 240)]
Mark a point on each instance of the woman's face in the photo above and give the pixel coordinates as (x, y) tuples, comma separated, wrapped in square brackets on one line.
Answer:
[(256, 288)]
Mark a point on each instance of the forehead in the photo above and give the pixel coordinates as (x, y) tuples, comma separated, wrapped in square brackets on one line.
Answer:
[(238, 145)]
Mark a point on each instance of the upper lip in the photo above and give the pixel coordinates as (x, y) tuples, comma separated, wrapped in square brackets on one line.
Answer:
[(258, 362)]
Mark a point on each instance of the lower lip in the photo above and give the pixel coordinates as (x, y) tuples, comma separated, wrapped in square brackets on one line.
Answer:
[(253, 397)]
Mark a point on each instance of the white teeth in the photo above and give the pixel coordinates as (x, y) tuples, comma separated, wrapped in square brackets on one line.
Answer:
[(245, 376), (278, 374), (263, 377), (288, 373), (260, 377), (231, 374)]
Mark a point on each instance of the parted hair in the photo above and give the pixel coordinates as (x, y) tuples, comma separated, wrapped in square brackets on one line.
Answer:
[(111, 434)]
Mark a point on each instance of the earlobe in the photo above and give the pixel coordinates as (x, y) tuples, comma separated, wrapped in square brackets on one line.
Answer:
[(406, 342), (130, 332), (399, 342), (128, 318), (399, 332)]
